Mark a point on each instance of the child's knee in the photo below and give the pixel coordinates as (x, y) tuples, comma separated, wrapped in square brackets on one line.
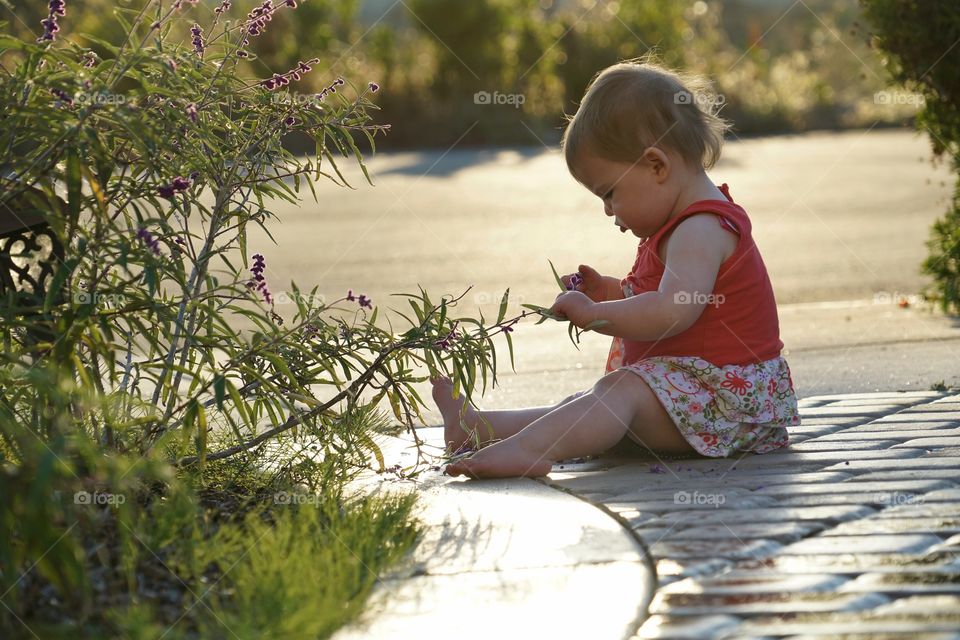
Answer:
[(620, 383)]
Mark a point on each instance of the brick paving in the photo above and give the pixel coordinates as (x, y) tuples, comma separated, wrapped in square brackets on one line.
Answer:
[(853, 531)]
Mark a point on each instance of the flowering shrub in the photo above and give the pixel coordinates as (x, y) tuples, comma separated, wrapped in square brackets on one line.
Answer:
[(154, 345)]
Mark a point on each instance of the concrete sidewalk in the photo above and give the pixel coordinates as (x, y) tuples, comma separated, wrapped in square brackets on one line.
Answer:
[(853, 530)]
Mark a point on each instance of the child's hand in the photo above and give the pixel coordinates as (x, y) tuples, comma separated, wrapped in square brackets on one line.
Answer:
[(575, 306), (593, 285)]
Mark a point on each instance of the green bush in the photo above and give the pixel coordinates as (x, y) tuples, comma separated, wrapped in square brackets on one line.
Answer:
[(918, 41), (158, 387)]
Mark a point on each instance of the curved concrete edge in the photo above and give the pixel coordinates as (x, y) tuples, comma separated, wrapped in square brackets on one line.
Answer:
[(510, 557)]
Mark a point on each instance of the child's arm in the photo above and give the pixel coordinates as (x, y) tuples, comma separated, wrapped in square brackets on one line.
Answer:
[(695, 251)]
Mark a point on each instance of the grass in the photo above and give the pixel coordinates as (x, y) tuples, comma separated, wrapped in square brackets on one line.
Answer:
[(224, 553)]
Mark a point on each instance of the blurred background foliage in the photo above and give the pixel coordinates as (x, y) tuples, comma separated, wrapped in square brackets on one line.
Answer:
[(918, 42), (780, 66)]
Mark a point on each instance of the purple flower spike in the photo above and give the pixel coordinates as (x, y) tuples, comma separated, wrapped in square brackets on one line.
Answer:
[(259, 282), (350, 296), (365, 302), (55, 9), (149, 240), (197, 33), (176, 186)]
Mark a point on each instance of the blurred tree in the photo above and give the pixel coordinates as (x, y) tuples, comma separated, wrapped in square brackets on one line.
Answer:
[(598, 34), (918, 40)]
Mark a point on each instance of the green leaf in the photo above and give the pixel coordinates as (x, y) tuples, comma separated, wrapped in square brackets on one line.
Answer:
[(596, 324), (202, 432), (59, 278), (219, 389), (74, 182), (557, 277), (502, 313), (545, 312)]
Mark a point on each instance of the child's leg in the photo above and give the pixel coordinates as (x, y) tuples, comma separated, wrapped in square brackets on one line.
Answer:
[(589, 424), (461, 421)]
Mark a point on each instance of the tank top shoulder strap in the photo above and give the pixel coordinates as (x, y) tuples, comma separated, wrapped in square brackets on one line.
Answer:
[(728, 211)]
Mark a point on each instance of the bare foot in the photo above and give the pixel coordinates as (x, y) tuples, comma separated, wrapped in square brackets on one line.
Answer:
[(501, 460), (459, 418)]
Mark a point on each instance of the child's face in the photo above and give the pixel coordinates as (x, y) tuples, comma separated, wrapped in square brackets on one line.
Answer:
[(637, 195)]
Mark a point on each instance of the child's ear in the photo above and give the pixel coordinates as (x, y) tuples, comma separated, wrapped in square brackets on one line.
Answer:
[(658, 161)]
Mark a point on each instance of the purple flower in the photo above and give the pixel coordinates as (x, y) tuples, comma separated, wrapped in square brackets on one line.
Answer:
[(191, 110), (350, 295), (55, 9), (259, 282), (258, 18), (62, 96), (373, 86), (330, 89), (364, 301), (197, 39), (575, 281), (290, 121), (282, 79), (224, 6), (176, 186), (89, 59), (149, 240)]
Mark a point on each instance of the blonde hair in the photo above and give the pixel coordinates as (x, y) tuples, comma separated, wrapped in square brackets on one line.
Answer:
[(637, 104)]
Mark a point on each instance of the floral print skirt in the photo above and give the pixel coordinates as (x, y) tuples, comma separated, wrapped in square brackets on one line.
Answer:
[(721, 411)]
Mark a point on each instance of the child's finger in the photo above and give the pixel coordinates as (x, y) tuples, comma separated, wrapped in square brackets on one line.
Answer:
[(588, 272)]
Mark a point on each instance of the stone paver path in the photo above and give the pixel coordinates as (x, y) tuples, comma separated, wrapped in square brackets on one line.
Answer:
[(853, 531)]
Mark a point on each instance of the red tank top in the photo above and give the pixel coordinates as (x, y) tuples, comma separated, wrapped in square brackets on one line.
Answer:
[(742, 326)]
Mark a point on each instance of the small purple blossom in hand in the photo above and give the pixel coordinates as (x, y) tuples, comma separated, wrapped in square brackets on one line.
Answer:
[(575, 281)]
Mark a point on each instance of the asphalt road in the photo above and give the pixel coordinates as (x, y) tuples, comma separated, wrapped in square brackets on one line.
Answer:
[(840, 218)]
